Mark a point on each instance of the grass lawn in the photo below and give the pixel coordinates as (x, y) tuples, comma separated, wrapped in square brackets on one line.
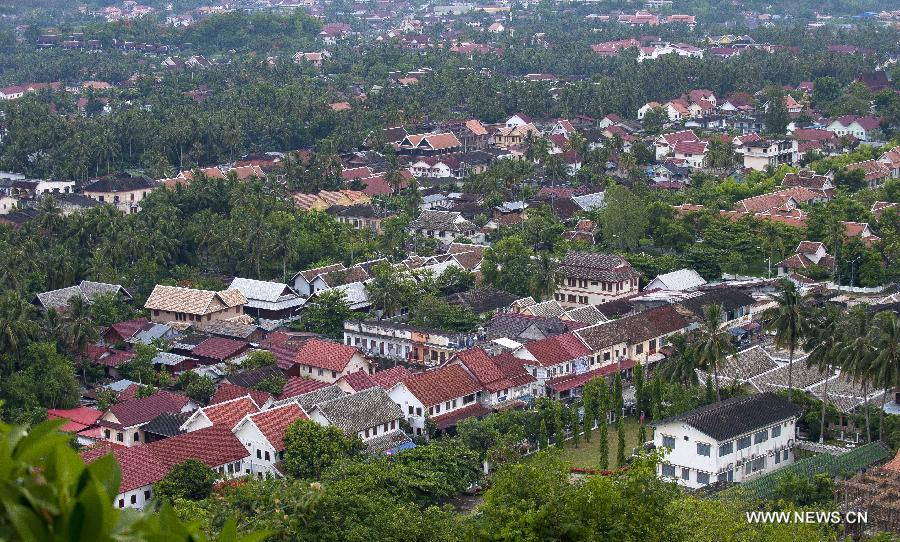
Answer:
[(587, 455)]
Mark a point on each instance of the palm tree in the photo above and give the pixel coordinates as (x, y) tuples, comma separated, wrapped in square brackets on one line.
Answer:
[(787, 321), (822, 344), (886, 363), (682, 364), (80, 328), (713, 343), (858, 351), (16, 326)]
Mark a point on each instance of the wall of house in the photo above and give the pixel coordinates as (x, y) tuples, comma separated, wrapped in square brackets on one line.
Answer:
[(161, 316), (410, 406), (262, 454), (127, 202), (131, 436), (737, 466), (356, 363), (136, 498), (573, 292)]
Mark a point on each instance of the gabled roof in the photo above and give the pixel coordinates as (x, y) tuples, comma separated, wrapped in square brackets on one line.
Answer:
[(312, 398), (442, 384), (325, 354), (737, 416), (87, 290), (682, 279), (357, 411), (139, 411), (191, 301), (296, 386), (557, 349), (595, 266), (260, 290), (219, 348), (227, 392), (633, 329), (273, 423), (389, 378), (483, 368), (228, 413)]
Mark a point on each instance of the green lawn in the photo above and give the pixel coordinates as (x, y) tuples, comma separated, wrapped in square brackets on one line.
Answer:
[(587, 455)]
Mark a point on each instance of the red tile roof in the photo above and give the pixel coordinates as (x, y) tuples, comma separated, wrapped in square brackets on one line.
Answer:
[(451, 418), (219, 348), (107, 357), (557, 349), (274, 422), (227, 391), (388, 378), (78, 418), (129, 328), (568, 382), (484, 369), (325, 354), (229, 413), (442, 384), (297, 385), (359, 380), (139, 411)]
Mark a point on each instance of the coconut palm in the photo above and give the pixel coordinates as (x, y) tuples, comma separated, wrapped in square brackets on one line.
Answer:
[(858, 351), (886, 363), (80, 328), (17, 328), (682, 364), (787, 320), (822, 344), (713, 343)]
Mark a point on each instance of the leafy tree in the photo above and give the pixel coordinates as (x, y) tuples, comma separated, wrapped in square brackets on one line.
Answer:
[(800, 490), (857, 349), (508, 266), (603, 415), (713, 343), (198, 387), (140, 367), (821, 343), (623, 220), (310, 448), (654, 120), (559, 425), (620, 449), (191, 480), (327, 314), (108, 309), (775, 115), (257, 359), (574, 425), (274, 385), (432, 312), (543, 436)]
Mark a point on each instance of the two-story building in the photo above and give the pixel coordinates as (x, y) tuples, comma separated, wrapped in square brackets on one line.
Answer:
[(446, 395), (262, 434), (555, 356), (728, 441), (268, 300), (765, 153), (400, 341), (326, 361), (122, 423), (369, 414), (589, 278), (635, 337), (505, 378), (176, 304), (123, 191)]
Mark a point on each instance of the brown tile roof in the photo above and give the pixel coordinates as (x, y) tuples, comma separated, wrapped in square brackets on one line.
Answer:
[(872, 169), (227, 391), (191, 301), (557, 349), (633, 329), (273, 423), (229, 413), (442, 384), (388, 378), (776, 199), (139, 411), (595, 266), (297, 385), (219, 348), (488, 373), (451, 418), (325, 354)]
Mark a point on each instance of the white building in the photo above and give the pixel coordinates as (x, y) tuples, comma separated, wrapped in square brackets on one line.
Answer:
[(680, 280), (729, 441), (447, 395)]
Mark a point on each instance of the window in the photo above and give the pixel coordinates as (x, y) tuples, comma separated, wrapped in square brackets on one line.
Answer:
[(106, 433), (121, 503), (726, 448), (685, 473), (120, 437), (146, 494), (703, 478), (743, 442), (258, 454), (785, 455), (134, 499), (777, 458), (776, 431), (761, 436), (418, 411), (321, 372), (268, 457), (606, 356), (703, 449), (430, 411), (668, 442), (639, 349), (333, 374), (447, 405), (759, 464), (136, 437), (668, 470), (366, 433), (411, 410)]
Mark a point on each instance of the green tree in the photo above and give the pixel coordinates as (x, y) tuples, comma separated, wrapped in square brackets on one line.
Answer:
[(543, 435), (508, 265), (559, 425), (574, 425), (775, 114), (858, 350), (327, 314), (603, 415), (822, 343), (257, 359), (787, 320), (310, 448), (886, 362), (623, 219), (108, 309), (713, 343), (654, 120), (191, 480), (620, 449)]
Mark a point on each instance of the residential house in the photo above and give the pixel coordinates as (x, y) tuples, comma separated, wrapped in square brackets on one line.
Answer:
[(86, 290), (327, 361), (470, 133), (875, 173), (728, 441), (737, 306), (446, 395), (861, 230), (513, 136), (122, 190), (553, 357), (506, 381), (808, 178), (680, 280), (370, 414), (518, 119), (693, 153), (268, 300), (400, 341), (891, 159), (807, 254), (665, 144), (175, 304), (765, 153), (225, 414), (637, 337), (359, 216), (588, 278), (262, 434), (862, 128), (122, 423), (430, 144), (445, 226)]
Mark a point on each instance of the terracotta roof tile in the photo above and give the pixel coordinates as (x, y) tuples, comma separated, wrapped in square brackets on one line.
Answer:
[(274, 422), (138, 411), (442, 384), (191, 301), (227, 391), (298, 386), (219, 348), (229, 413), (325, 354), (557, 349)]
